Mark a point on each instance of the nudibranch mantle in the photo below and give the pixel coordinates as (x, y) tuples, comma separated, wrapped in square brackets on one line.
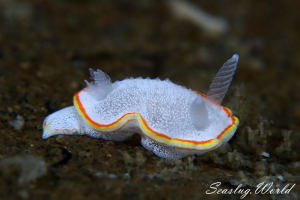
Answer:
[(173, 121)]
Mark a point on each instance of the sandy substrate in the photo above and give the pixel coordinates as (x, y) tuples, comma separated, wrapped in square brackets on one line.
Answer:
[(46, 48)]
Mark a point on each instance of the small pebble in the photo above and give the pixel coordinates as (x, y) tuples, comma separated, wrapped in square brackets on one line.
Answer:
[(281, 178), (265, 154), (209, 23), (30, 167), (18, 123)]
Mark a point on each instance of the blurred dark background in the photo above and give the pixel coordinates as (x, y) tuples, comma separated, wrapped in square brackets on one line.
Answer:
[(46, 48)]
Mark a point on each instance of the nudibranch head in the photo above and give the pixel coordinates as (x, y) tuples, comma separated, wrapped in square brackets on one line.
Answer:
[(64, 121), (173, 121)]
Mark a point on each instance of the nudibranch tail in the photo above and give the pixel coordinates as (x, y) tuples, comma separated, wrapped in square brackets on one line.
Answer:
[(219, 86)]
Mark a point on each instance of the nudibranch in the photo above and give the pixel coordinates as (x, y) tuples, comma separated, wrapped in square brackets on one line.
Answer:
[(173, 121)]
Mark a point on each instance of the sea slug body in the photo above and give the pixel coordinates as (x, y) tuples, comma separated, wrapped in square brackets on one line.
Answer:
[(173, 121)]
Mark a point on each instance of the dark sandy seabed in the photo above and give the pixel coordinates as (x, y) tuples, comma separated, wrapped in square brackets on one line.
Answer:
[(46, 48)]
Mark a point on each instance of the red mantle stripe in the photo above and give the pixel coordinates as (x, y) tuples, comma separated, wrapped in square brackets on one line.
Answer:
[(79, 105)]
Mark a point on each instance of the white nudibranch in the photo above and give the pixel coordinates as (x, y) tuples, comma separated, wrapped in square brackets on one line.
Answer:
[(173, 121)]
